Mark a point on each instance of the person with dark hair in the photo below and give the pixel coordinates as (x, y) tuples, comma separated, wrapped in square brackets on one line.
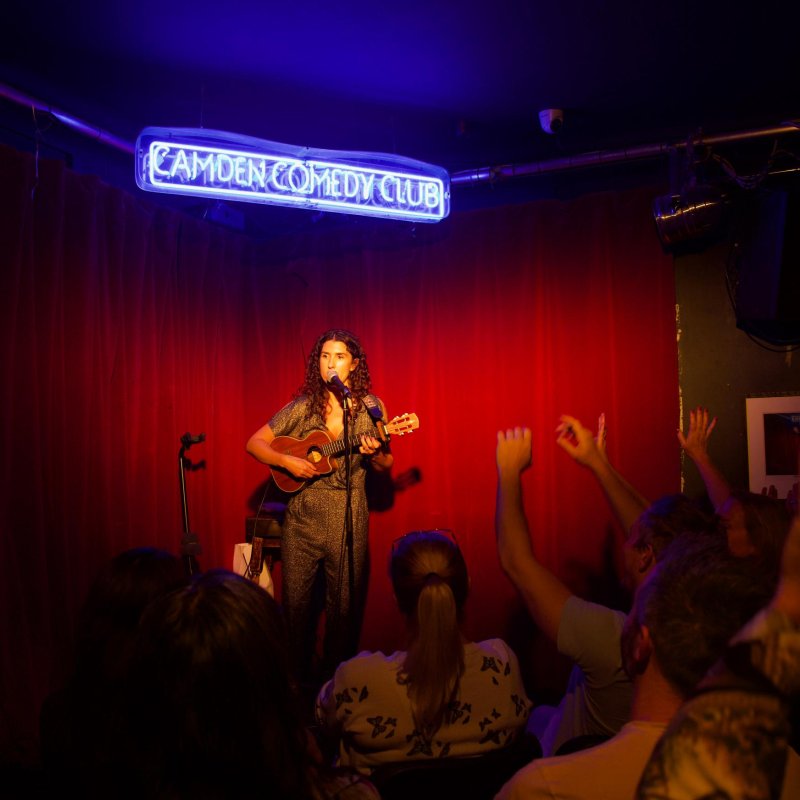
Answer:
[(756, 524), (598, 697), (648, 526), (664, 519), (683, 615), (75, 722), (440, 697), (316, 534), (212, 710), (732, 738)]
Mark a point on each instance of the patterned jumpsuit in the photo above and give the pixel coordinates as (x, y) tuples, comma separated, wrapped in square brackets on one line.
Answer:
[(312, 537)]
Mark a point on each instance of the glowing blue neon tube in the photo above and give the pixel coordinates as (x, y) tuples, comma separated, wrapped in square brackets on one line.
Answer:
[(196, 161)]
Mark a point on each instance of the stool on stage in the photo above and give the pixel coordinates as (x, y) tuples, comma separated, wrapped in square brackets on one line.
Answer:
[(255, 557)]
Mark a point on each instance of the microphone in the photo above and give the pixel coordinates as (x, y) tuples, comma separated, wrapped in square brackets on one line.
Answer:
[(335, 380)]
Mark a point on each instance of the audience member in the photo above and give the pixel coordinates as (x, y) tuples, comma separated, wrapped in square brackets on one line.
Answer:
[(76, 721), (212, 708), (589, 451), (599, 693), (731, 739), (648, 526), (756, 524), (683, 615), (442, 696)]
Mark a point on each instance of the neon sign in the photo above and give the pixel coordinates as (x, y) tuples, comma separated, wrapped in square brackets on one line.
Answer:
[(230, 166)]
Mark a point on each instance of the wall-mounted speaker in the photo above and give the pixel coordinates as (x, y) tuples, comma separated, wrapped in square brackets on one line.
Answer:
[(764, 276)]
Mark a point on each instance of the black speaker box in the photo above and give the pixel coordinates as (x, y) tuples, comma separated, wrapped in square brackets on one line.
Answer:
[(767, 286)]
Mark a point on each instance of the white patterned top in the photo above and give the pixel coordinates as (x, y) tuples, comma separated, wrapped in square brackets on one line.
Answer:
[(367, 704)]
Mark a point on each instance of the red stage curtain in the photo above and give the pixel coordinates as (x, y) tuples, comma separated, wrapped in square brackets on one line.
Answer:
[(124, 326)]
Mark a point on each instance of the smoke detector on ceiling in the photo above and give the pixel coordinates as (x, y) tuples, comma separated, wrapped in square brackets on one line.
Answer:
[(551, 119)]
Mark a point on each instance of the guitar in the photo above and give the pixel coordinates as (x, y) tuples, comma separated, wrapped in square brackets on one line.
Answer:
[(319, 447)]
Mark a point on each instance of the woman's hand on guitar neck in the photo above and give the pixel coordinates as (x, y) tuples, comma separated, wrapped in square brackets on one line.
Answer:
[(370, 446)]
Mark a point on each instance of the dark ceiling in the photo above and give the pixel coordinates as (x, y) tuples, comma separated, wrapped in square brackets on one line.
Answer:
[(459, 84)]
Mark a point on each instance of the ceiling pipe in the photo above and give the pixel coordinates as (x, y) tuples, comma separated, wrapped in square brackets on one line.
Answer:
[(464, 177), (84, 128), (604, 157)]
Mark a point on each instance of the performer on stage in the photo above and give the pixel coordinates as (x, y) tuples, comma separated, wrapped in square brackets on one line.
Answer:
[(314, 530)]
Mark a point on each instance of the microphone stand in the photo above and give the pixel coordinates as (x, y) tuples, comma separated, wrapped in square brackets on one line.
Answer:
[(346, 552), (190, 546), (348, 512)]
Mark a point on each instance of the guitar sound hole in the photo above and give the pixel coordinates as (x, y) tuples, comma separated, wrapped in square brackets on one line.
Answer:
[(314, 456)]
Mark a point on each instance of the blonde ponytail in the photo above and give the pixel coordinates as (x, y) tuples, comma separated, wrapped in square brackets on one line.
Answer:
[(430, 582)]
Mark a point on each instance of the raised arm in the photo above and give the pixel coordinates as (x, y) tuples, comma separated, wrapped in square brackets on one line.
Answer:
[(695, 445), (543, 593), (579, 442)]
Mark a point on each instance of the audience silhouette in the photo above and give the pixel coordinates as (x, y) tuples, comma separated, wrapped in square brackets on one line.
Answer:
[(183, 688), (685, 611), (212, 708), (78, 721), (598, 699)]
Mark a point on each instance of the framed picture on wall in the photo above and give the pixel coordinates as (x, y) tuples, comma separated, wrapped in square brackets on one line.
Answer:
[(773, 441)]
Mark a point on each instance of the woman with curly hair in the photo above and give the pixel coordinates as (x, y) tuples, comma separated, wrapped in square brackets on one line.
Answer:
[(315, 530)]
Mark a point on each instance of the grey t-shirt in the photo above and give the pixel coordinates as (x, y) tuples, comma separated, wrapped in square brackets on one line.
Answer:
[(599, 693)]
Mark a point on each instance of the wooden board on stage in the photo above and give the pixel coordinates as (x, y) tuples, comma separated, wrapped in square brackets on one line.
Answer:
[(265, 530), (256, 556)]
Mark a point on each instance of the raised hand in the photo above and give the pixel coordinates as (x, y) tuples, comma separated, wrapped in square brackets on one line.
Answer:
[(602, 433), (580, 442), (590, 451), (543, 593), (695, 442), (514, 452), (695, 445)]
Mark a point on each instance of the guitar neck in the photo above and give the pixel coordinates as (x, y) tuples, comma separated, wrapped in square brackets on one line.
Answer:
[(399, 425), (317, 447), (339, 446)]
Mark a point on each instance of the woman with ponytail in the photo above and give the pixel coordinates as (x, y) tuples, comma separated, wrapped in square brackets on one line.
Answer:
[(443, 696)]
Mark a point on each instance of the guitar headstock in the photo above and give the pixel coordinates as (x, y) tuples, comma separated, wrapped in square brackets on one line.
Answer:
[(402, 424)]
